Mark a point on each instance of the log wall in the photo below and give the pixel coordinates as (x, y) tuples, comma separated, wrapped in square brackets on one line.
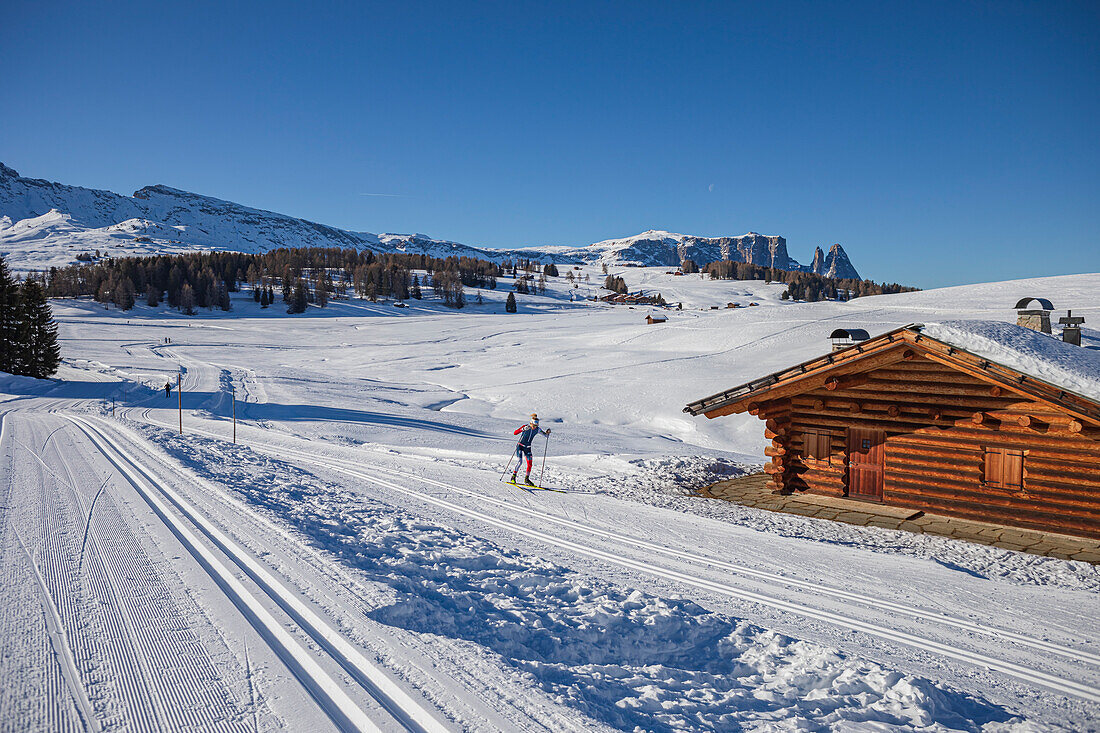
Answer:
[(938, 422)]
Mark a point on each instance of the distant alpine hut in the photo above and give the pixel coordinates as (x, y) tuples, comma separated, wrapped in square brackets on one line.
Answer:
[(977, 419), (651, 319)]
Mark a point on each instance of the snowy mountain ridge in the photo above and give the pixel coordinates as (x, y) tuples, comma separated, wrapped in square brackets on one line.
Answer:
[(45, 224)]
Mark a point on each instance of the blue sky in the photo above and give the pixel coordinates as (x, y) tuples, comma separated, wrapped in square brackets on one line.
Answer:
[(940, 143)]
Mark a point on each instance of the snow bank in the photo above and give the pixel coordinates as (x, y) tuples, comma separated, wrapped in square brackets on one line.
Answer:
[(1030, 352), (670, 483), (625, 658)]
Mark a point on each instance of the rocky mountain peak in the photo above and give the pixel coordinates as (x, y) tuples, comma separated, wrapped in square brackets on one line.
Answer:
[(170, 219)]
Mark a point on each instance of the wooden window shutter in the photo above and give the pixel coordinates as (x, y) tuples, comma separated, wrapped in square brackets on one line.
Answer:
[(1012, 469), (1004, 468), (994, 461), (816, 445)]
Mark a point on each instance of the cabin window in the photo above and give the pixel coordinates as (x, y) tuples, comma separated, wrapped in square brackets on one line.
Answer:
[(1004, 468), (816, 445)]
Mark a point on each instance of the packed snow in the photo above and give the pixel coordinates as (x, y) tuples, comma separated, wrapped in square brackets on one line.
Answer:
[(370, 441), (1027, 351)]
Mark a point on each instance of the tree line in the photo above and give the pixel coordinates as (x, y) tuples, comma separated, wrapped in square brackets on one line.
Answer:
[(306, 275), (28, 332), (801, 285)]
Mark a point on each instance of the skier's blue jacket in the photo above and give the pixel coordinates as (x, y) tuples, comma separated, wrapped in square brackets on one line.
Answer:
[(527, 434)]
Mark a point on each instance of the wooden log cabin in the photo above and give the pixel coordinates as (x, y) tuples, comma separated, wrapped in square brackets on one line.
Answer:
[(975, 419)]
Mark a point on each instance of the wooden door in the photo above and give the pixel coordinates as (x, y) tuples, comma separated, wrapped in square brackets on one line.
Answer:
[(865, 461)]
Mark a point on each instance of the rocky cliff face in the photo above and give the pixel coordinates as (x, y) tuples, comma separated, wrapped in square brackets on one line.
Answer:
[(669, 250), (751, 248), (45, 224), (837, 264)]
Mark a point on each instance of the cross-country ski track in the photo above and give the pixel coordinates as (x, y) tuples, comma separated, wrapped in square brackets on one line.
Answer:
[(217, 553), (354, 562), (617, 545), (328, 693)]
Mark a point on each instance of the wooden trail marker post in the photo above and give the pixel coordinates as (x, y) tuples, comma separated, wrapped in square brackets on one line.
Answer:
[(179, 394)]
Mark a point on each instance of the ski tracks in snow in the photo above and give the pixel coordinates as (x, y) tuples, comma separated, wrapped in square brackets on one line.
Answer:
[(696, 571), (187, 523), (1060, 684), (118, 632)]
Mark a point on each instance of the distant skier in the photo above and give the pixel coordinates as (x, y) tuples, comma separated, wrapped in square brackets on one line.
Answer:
[(167, 389), (526, 434)]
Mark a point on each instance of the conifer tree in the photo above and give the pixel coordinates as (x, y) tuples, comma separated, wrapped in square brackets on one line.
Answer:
[(222, 295), (152, 296), (38, 333), (187, 299), (416, 288), (300, 300), (124, 294), (9, 319), (510, 304)]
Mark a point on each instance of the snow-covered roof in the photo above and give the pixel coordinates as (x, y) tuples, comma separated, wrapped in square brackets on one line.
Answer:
[(1046, 363), (1039, 355)]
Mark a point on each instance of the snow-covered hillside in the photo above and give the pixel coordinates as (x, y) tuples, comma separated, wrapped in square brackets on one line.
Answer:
[(45, 224), (328, 544)]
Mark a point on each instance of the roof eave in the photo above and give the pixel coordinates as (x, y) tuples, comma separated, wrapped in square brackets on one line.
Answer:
[(832, 359)]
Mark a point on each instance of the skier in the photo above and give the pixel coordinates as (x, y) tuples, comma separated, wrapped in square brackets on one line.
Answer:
[(167, 389), (526, 434)]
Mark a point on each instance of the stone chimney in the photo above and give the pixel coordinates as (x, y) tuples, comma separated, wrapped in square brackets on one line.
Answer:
[(1035, 319), (842, 338), (1071, 328)]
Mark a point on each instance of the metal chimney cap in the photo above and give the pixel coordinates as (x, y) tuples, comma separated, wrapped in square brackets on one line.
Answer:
[(853, 334), (1043, 303)]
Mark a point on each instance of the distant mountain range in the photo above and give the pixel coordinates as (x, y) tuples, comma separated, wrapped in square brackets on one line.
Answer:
[(45, 224)]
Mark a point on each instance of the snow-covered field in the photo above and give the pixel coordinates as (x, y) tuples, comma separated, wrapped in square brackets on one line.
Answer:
[(354, 561)]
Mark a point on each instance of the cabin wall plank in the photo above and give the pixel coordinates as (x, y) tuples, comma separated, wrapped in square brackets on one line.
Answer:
[(937, 464)]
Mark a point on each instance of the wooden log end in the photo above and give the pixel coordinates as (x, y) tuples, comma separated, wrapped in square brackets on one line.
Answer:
[(978, 418), (1075, 426), (832, 383), (996, 391), (893, 411)]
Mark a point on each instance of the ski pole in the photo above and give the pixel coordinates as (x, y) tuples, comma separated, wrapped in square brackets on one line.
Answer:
[(507, 466), (545, 450)]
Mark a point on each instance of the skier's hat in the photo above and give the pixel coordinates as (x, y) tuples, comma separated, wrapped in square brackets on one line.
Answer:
[(534, 418)]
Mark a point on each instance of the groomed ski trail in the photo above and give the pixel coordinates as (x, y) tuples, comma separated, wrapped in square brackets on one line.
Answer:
[(1054, 682), (345, 713)]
